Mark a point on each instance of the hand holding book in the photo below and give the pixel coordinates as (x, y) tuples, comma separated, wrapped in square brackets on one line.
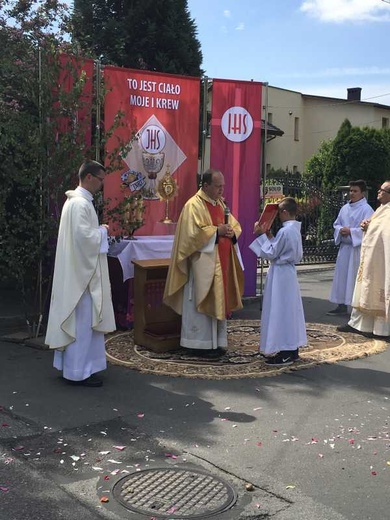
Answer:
[(260, 229)]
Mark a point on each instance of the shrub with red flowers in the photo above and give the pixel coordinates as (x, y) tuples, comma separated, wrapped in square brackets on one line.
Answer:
[(36, 167)]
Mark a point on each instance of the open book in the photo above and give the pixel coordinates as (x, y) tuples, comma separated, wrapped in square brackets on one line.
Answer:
[(268, 214)]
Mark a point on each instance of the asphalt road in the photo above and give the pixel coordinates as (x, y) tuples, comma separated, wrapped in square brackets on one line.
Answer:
[(314, 443)]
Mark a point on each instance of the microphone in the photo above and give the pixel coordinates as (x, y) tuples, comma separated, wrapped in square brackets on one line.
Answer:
[(226, 212)]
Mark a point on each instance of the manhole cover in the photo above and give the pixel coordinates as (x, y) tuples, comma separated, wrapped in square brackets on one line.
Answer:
[(174, 493)]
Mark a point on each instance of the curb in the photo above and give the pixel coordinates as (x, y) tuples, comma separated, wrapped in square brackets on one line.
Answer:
[(12, 324), (23, 338), (249, 300), (303, 268), (306, 269)]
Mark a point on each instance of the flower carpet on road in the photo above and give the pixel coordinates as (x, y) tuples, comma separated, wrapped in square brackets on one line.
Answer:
[(242, 358)]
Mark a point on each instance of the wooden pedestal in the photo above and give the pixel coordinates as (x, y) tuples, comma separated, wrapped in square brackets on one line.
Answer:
[(156, 326)]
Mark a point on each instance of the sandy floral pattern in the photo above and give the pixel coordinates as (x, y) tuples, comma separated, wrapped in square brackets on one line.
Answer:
[(242, 359)]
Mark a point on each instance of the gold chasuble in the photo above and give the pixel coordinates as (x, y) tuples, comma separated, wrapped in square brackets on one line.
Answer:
[(372, 288), (217, 272)]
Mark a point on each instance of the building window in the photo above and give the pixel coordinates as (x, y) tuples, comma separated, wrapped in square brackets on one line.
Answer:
[(270, 117), (295, 169), (268, 168), (296, 128), (385, 122)]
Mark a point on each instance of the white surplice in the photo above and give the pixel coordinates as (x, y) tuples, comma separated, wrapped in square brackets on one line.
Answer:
[(81, 307), (348, 257), (200, 331), (282, 319)]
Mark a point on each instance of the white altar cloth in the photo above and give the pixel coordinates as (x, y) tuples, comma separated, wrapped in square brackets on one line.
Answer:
[(144, 248)]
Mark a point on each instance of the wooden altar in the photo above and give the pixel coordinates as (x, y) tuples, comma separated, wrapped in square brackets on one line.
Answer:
[(156, 326), (121, 268)]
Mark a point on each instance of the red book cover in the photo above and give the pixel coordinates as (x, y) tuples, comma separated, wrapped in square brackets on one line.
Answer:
[(269, 214)]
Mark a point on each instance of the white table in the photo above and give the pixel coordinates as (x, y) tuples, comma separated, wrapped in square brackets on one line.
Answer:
[(143, 248)]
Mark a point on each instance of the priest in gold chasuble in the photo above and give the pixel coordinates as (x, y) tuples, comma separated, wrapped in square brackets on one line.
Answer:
[(371, 297), (205, 280)]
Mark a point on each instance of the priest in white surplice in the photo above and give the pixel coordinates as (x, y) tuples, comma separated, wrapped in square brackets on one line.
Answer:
[(348, 236), (81, 308), (283, 328)]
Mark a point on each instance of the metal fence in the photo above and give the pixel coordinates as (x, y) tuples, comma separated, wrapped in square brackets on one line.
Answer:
[(318, 209)]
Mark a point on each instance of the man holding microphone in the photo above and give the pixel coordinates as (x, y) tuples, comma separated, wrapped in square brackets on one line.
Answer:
[(205, 280)]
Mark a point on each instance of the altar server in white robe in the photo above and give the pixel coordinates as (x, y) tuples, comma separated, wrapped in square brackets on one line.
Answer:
[(81, 309), (283, 328), (348, 236)]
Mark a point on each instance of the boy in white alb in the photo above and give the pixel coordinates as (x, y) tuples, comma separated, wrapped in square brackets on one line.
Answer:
[(283, 328)]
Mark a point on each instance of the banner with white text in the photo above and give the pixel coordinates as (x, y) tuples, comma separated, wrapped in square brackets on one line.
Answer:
[(235, 149), (158, 133)]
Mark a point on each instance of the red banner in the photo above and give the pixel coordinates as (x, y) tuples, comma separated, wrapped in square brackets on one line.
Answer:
[(235, 149), (73, 69), (160, 130)]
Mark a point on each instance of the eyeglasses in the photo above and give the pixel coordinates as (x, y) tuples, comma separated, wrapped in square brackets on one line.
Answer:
[(384, 191), (101, 179)]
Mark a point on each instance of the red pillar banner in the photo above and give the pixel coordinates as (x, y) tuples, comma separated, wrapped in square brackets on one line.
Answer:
[(235, 149), (71, 69), (161, 121)]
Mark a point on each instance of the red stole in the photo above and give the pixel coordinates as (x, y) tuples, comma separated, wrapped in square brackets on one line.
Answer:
[(224, 248)]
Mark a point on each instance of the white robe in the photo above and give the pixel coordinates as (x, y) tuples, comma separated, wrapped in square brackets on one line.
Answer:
[(200, 331), (348, 257), (87, 354), (81, 307), (282, 320)]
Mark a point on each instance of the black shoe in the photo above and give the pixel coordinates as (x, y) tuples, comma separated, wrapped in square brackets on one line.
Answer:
[(206, 353), (295, 354), (369, 335), (378, 336), (340, 310), (90, 381), (280, 360), (215, 353), (346, 328)]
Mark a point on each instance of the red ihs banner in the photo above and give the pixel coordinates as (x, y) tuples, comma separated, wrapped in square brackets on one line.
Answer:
[(235, 149)]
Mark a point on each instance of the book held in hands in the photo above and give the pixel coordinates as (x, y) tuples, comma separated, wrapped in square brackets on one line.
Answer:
[(268, 215)]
